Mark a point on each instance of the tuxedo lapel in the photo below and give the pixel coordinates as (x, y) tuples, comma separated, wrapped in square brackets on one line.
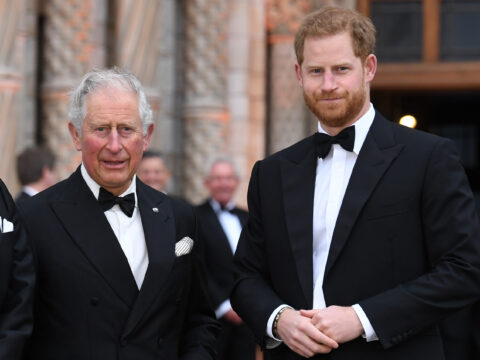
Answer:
[(298, 184), (223, 245), (159, 228), (376, 155), (87, 225)]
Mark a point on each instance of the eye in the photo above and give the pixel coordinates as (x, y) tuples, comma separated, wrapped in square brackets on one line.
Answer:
[(126, 130)]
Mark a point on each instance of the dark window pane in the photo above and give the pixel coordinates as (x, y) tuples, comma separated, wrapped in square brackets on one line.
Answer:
[(460, 30), (399, 30)]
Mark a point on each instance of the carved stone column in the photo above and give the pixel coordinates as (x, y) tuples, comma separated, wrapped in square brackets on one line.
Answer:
[(205, 113), (11, 55), (73, 44), (289, 119), (145, 45)]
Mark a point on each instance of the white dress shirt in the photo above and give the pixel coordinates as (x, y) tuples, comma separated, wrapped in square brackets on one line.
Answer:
[(29, 190), (128, 230), (232, 228), (332, 177)]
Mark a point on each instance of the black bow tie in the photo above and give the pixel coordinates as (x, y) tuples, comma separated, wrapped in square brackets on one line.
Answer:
[(345, 138), (107, 200)]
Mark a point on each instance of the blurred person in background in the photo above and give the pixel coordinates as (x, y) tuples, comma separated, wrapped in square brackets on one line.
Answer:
[(220, 225), (153, 170), (36, 171)]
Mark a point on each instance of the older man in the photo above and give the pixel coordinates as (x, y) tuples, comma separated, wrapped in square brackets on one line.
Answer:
[(116, 259), (16, 281), (221, 223)]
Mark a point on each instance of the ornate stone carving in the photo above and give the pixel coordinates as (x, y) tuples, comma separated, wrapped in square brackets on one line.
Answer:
[(205, 60), (205, 112), (73, 36), (284, 16)]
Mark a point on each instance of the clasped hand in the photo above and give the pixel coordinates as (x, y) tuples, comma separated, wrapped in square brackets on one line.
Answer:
[(310, 332)]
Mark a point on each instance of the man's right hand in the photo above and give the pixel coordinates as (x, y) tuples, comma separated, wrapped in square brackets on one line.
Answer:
[(300, 335), (232, 317)]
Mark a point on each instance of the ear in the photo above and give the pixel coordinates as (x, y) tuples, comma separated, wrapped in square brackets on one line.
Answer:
[(75, 136), (298, 72), (370, 67), (146, 138)]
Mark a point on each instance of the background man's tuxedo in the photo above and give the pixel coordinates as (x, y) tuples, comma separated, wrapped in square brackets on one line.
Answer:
[(87, 303), (219, 264), (16, 283), (405, 245), (21, 197)]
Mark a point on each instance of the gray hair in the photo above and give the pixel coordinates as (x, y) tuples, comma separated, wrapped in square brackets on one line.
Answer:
[(101, 79), (222, 159)]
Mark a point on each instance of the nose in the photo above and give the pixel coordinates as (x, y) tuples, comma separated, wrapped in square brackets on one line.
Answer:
[(114, 142), (329, 82)]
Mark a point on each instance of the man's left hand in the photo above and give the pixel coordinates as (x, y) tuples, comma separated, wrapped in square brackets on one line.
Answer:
[(340, 323)]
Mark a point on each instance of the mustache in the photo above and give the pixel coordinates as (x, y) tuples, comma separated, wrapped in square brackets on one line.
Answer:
[(329, 96)]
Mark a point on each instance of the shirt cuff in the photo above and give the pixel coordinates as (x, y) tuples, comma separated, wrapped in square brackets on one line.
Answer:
[(369, 333), (223, 309), (272, 341)]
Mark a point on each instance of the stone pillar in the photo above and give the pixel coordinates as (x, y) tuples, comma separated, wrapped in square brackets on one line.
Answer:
[(73, 44), (246, 88), (206, 116), (145, 45), (289, 120), (11, 56)]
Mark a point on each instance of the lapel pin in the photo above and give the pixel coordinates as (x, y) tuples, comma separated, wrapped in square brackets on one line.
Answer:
[(155, 210)]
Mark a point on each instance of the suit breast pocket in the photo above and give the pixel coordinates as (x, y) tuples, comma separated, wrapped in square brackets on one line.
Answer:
[(378, 210)]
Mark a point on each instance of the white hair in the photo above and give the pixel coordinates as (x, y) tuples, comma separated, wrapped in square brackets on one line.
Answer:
[(101, 79)]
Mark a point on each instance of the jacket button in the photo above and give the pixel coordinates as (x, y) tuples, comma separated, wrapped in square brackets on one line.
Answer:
[(160, 341), (94, 301), (123, 343)]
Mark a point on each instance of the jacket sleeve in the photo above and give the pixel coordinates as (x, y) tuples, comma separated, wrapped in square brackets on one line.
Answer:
[(252, 297), (17, 277)]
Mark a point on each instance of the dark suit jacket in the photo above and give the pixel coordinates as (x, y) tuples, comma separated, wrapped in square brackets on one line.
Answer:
[(218, 252), (87, 304), (405, 245), (16, 283), (21, 197)]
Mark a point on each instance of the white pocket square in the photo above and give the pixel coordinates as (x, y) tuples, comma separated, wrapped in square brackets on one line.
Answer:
[(7, 226), (183, 246)]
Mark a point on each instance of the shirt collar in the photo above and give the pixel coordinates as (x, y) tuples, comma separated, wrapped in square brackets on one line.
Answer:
[(29, 190), (218, 208), (362, 126), (95, 188)]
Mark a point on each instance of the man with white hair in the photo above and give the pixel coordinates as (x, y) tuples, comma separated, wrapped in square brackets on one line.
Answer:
[(118, 271), (220, 226)]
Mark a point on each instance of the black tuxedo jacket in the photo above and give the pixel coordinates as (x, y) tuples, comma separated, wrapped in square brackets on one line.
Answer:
[(405, 245), (16, 283), (23, 196), (218, 252), (87, 304)]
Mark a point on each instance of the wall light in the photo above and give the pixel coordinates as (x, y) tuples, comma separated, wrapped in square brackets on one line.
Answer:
[(408, 121)]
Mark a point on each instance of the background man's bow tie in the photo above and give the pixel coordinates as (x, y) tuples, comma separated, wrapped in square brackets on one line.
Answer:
[(107, 200), (345, 138)]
